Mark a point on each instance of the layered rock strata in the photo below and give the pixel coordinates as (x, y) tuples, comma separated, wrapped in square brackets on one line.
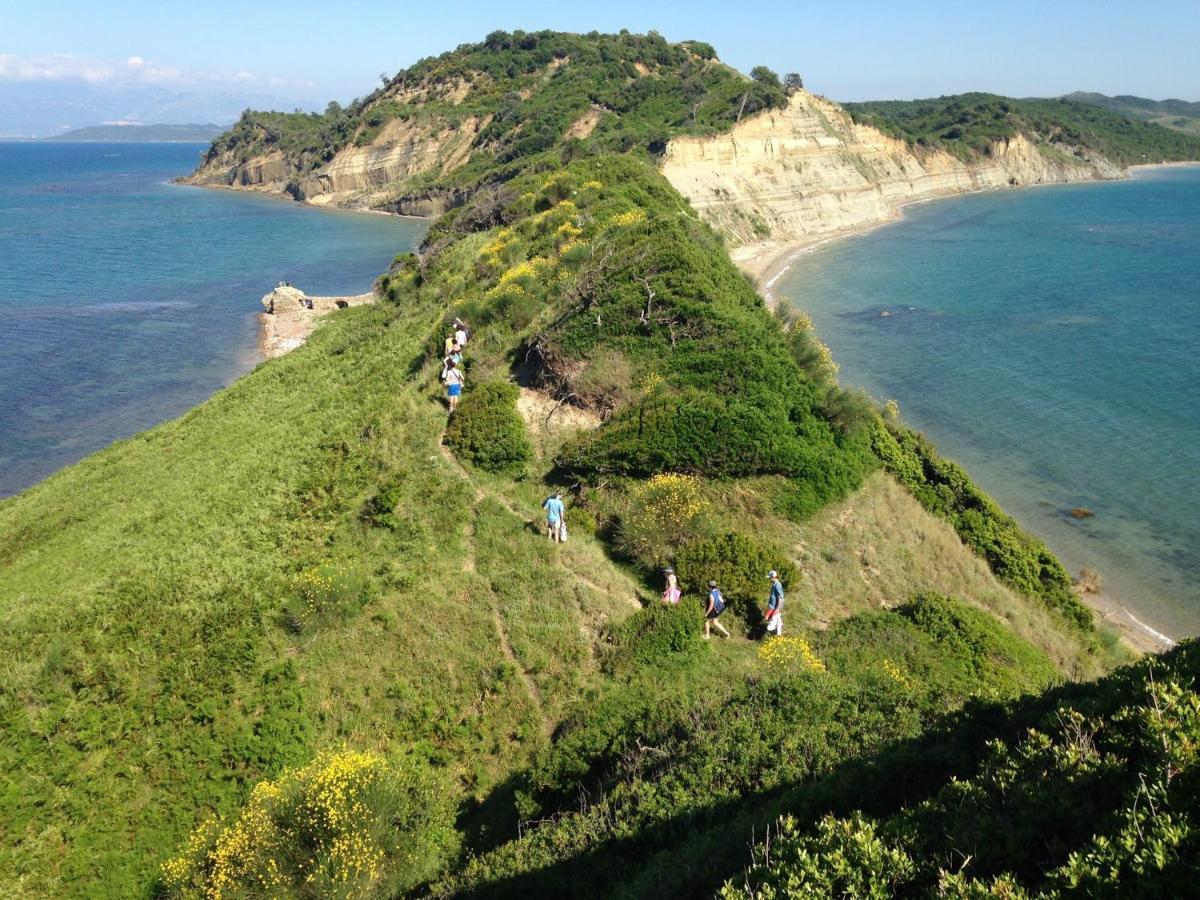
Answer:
[(809, 170)]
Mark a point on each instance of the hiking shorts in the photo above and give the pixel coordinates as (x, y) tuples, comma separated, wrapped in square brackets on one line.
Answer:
[(715, 614), (453, 390)]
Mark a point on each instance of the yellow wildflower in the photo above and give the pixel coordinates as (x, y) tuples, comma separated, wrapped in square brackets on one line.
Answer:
[(789, 654)]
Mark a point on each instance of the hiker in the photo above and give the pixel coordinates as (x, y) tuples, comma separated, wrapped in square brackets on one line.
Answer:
[(713, 607), (448, 345), (454, 356), (672, 594), (461, 332), (555, 516), (774, 616), (454, 383)]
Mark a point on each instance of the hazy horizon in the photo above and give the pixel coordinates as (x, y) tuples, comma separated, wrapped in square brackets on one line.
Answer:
[(66, 58)]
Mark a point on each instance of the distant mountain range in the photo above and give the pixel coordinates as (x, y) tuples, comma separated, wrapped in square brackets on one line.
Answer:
[(33, 109), (1180, 115), (142, 133)]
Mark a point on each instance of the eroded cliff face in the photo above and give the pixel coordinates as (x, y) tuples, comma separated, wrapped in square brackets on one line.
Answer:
[(809, 170), (375, 175)]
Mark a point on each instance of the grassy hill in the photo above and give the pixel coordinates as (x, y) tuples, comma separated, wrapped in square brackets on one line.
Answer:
[(966, 124), (1179, 115), (307, 640)]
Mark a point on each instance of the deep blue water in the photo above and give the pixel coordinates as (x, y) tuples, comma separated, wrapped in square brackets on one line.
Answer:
[(1046, 339), (125, 300)]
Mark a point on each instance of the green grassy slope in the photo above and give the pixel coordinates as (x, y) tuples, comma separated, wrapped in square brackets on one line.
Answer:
[(300, 565), (966, 124), (151, 670)]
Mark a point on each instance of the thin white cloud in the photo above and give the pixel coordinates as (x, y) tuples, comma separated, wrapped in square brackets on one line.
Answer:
[(134, 70)]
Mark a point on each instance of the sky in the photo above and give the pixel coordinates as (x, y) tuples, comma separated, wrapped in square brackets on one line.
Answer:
[(845, 50)]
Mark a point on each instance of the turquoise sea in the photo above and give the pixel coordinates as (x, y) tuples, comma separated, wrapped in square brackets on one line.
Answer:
[(125, 299), (1046, 339)]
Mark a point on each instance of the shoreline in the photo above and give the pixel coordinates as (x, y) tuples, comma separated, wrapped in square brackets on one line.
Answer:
[(767, 261), (288, 198)]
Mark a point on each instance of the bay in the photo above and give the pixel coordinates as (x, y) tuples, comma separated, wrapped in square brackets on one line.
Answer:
[(125, 299), (1045, 339)]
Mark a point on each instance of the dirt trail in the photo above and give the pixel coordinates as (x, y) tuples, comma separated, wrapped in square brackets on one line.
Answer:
[(506, 647)]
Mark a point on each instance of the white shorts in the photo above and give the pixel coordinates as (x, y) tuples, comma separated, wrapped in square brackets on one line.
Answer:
[(775, 624)]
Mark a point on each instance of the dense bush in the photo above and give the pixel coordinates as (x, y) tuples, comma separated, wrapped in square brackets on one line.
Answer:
[(345, 825), (487, 430), (939, 650), (739, 564), (1083, 805), (659, 634), (947, 491), (659, 516)]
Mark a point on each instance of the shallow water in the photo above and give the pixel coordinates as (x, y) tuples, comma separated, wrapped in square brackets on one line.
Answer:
[(125, 300), (1046, 339)]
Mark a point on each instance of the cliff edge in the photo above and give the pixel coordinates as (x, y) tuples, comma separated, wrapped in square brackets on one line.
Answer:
[(809, 170)]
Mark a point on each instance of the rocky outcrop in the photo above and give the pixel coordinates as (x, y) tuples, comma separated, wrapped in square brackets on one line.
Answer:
[(371, 176), (809, 170), (290, 316)]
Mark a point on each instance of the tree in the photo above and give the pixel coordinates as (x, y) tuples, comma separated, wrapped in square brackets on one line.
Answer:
[(385, 78), (793, 82), (763, 75)]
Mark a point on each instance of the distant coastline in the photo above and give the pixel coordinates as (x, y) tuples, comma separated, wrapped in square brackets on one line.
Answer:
[(138, 134), (765, 261)]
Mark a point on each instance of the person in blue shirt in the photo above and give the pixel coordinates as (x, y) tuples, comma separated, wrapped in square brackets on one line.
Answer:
[(713, 607), (555, 515), (774, 616)]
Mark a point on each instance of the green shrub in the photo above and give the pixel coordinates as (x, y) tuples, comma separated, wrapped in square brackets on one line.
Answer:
[(843, 858), (660, 515), (660, 633), (346, 825), (326, 592), (939, 651), (487, 431), (380, 508), (739, 564)]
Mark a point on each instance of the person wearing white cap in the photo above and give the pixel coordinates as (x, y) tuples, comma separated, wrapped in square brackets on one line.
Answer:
[(774, 616)]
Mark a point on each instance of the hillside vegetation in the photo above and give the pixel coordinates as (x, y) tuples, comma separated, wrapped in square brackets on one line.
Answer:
[(310, 640), (1180, 115), (524, 93), (967, 124)]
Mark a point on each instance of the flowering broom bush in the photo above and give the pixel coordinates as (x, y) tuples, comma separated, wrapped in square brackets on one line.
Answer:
[(660, 516), (348, 824), (324, 592), (789, 654)]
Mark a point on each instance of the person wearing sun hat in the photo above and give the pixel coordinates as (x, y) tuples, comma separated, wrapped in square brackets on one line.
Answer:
[(774, 616)]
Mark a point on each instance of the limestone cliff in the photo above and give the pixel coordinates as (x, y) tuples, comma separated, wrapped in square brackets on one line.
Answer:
[(369, 174), (809, 170)]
